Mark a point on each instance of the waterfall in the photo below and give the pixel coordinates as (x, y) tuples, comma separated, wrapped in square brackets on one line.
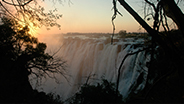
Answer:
[(98, 58)]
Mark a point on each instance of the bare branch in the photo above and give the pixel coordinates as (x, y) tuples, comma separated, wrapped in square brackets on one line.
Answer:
[(114, 17), (17, 4), (8, 11), (151, 4), (119, 70), (166, 24)]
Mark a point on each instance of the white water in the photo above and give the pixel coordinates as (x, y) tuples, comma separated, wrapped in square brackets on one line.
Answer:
[(98, 58)]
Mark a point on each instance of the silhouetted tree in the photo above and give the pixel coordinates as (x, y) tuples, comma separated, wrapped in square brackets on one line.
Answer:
[(21, 55), (171, 44)]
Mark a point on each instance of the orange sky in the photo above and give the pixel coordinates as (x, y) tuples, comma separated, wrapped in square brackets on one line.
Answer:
[(93, 16)]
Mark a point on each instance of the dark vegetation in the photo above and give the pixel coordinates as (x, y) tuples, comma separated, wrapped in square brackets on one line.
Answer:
[(123, 34), (165, 81), (102, 93), (20, 53)]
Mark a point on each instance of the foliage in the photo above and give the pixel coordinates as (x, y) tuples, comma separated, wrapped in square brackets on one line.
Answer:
[(100, 93), (42, 97), (21, 55), (26, 49), (30, 13), (123, 34)]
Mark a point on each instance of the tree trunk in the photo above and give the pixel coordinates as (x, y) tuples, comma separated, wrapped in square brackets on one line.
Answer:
[(158, 38), (172, 44), (173, 11), (166, 42)]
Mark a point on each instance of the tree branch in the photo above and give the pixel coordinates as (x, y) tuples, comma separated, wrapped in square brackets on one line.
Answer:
[(119, 70), (151, 4), (17, 4), (114, 17), (8, 11)]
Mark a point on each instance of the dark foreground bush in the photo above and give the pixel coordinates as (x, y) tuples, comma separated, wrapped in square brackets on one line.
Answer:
[(42, 97), (100, 93)]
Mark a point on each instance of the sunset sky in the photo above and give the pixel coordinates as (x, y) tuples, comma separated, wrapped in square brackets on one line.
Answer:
[(92, 16)]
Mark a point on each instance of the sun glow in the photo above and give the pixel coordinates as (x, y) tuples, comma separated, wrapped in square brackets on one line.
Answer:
[(33, 30)]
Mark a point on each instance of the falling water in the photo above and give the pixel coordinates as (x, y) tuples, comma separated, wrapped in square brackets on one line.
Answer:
[(97, 58)]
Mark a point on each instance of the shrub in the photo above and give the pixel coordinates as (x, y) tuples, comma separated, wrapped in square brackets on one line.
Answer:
[(100, 93)]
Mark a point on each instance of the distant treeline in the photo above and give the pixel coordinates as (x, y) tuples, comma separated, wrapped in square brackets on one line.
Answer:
[(121, 34), (133, 34)]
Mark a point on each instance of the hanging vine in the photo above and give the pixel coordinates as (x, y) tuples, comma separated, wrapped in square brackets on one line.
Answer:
[(114, 17)]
